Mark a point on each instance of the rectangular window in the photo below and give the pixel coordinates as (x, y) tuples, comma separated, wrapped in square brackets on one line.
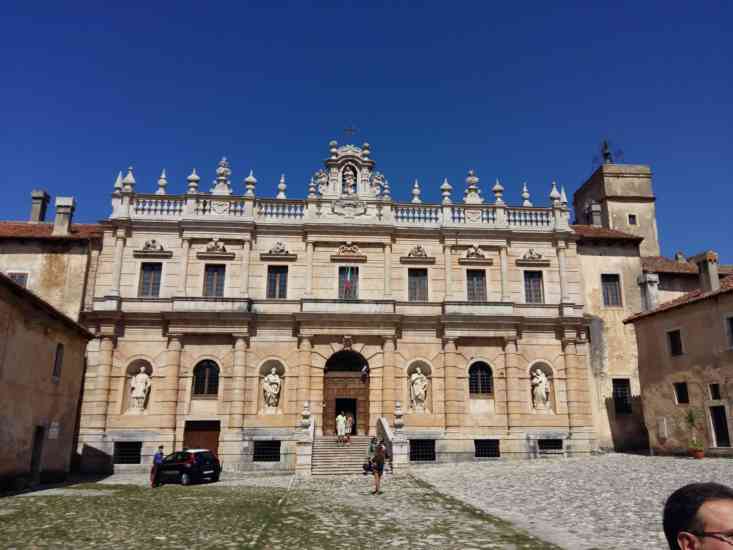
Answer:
[(533, 291), (128, 452), (417, 281), (150, 274), (58, 362), (277, 282), (486, 448), (632, 219), (715, 392), (20, 279), (622, 395), (266, 451), (476, 285), (611, 290), (214, 280), (422, 450), (680, 393), (348, 283), (674, 337)]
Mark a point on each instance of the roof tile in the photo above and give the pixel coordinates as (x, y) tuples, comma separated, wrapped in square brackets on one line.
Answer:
[(595, 232), (30, 230)]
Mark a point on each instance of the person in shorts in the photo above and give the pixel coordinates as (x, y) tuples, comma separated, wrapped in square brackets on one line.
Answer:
[(349, 428), (380, 456), (340, 428)]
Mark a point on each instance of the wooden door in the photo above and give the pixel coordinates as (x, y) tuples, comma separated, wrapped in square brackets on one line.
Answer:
[(202, 435)]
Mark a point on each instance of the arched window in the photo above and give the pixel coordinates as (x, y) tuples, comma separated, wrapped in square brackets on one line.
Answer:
[(480, 379), (206, 379)]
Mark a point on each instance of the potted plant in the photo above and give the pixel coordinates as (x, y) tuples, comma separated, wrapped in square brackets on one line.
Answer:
[(695, 448)]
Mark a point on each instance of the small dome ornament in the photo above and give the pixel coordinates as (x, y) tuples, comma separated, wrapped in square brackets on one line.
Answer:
[(472, 194), (525, 196), (416, 193), (333, 148), (554, 195), (281, 187), (193, 182), (249, 184), (162, 183), (445, 191), (498, 191), (365, 152)]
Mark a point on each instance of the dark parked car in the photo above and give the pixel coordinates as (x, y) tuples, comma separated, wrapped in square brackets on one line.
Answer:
[(189, 466)]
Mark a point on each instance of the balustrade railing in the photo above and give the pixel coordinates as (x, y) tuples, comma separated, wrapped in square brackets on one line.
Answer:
[(156, 206), (219, 206), (275, 209), (540, 218), (460, 214), (416, 213)]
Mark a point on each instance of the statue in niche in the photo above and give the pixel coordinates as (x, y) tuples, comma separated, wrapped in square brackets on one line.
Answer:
[(271, 385), (540, 390), (139, 389), (418, 389), (349, 181), (474, 252), (321, 179)]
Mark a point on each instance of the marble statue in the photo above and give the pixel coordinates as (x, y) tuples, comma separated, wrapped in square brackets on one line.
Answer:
[(349, 181), (540, 389), (271, 385), (139, 388), (418, 389)]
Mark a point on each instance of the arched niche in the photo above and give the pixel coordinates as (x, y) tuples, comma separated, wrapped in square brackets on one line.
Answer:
[(271, 386), (419, 390), (138, 387), (542, 388)]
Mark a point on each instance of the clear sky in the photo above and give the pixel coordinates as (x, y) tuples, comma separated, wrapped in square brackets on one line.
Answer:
[(522, 91)]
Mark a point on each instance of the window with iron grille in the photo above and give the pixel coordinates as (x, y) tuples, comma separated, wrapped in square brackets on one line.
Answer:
[(277, 282), (58, 362), (476, 285), (348, 283), (674, 337), (533, 291), (486, 448), (150, 274), (611, 285), (621, 395), (681, 394), (214, 280), (266, 451), (715, 392), (549, 444), (20, 279), (422, 450), (417, 281), (206, 379), (480, 380), (128, 452)]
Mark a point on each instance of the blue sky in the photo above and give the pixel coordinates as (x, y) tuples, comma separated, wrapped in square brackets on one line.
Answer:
[(519, 91)]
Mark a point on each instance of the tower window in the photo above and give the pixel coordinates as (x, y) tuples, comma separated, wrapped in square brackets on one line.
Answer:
[(632, 219), (611, 290)]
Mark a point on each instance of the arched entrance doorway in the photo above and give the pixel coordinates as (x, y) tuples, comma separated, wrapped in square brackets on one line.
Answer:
[(345, 391)]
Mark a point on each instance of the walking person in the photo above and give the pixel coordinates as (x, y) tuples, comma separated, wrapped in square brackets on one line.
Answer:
[(340, 428), (349, 428), (380, 455), (369, 464), (157, 461)]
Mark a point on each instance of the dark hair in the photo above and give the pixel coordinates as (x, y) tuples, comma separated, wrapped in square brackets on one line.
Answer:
[(680, 510)]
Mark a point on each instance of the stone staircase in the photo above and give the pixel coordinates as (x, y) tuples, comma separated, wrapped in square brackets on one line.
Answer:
[(331, 459)]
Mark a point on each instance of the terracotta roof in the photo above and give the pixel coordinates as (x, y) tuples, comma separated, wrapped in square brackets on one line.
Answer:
[(29, 230), (726, 285), (595, 232), (33, 299), (660, 264)]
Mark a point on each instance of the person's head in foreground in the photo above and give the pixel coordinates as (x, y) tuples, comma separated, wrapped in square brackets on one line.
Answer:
[(699, 516)]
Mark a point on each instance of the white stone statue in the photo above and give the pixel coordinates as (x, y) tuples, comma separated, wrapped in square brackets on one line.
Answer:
[(139, 388), (271, 385), (349, 186), (418, 389), (540, 390)]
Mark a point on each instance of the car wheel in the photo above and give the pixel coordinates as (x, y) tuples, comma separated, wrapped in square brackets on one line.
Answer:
[(185, 479)]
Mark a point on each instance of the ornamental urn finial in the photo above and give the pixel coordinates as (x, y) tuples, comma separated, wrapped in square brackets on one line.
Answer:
[(386, 193), (445, 191), (365, 152), (498, 191), (416, 192), (193, 182), (472, 194), (281, 187), (555, 195), (118, 182), (162, 183), (222, 185), (312, 194), (249, 184), (128, 183), (333, 147), (525, 195)]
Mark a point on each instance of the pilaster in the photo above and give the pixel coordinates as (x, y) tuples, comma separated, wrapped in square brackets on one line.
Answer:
[(244, 277), (388, 378), (454, 398), (186, 247), (236, 409), (120, 235)]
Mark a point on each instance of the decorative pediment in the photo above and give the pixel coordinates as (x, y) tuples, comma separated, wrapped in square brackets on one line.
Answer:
[(348, 252), (215, 250), (475, 256), (152, 249), (279, 252), (533, 258), (418, 255)]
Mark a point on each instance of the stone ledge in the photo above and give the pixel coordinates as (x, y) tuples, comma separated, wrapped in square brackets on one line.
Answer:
[(417, 260), (267, 257), (360, 258), (475, 261), (215, 255), (162, 254)]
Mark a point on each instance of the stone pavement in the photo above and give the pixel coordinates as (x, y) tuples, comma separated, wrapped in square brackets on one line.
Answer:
[(605, 502)]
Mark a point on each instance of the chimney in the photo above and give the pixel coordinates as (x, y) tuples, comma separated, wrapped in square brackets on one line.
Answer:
[(649, 283), (595, 214), (707, 265), (39, 203), (64, 213)]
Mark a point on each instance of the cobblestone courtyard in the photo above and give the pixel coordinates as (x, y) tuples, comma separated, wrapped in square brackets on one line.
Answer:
[(607, 502)]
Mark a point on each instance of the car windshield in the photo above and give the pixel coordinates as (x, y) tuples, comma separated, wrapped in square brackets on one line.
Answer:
[(205, 457)]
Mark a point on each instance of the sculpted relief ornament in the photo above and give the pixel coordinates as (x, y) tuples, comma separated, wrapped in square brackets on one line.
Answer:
[(152, 246), (139, 389), (278, 249), (474, 252), (532, 254), (215, 245), (417, 252), (348, 249), (418, 390), (271, 386)]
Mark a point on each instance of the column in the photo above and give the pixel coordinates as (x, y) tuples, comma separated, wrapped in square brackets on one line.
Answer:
[(516, 393), (183, 277), (453, 390), (236, 410), (388, 270), (506, 295), (244, 276), (447, 262), (169, 390), (564, 295), (304, 372), (389, 382), (309, 246), (117, 263)]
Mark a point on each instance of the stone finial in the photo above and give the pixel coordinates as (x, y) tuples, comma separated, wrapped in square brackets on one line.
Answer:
[(472, 194), (563, 196), (606, 152), (555, 195), (222, 184), (416, 192), (249, 184), (386, 196), (118, 182), (193, 182), (128, 183), (312, 193), (281, 187), (333, 148), (399, 422), (162, 183), (365, 152), (525, 195), (498, 191), (445, 191)]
